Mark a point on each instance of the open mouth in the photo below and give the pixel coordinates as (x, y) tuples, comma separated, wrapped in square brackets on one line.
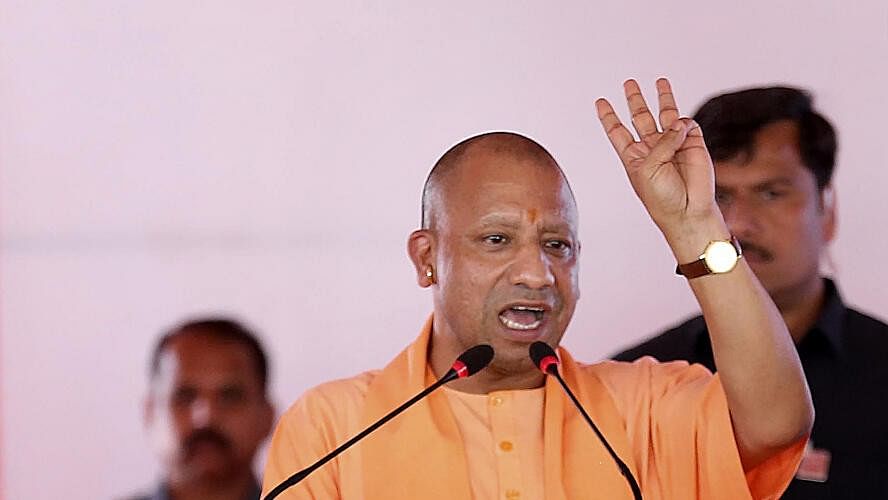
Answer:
[(522, 317)]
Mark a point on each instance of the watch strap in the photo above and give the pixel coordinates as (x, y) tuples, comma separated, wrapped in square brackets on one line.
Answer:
[(693, 269)]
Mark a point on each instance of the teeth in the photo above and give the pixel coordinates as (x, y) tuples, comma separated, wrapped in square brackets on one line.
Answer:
[(514, 325), (526, 308)]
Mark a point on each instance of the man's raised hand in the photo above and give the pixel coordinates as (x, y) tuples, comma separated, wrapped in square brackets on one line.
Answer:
[(669, 167)]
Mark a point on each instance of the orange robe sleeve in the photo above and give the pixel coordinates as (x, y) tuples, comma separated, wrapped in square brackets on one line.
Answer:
[(681, 437)]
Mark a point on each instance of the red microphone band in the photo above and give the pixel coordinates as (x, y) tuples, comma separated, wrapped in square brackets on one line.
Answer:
[(462, 371), (546, 362)]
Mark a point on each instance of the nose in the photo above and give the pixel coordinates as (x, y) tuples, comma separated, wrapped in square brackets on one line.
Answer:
[(203, 412), (532, 268), (742, 218)]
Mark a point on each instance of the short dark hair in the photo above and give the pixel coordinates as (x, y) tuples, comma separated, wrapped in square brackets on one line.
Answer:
[(223, 329), (730, 121)]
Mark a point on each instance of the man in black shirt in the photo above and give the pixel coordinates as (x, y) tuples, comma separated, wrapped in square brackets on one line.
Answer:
[(774, 157)]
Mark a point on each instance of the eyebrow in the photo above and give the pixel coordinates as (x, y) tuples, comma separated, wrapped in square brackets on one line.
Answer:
[(777, 181), (513, 222), (509, 221)]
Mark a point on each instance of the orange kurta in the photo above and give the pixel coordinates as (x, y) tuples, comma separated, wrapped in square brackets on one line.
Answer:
[(668, 421), (502, 433)]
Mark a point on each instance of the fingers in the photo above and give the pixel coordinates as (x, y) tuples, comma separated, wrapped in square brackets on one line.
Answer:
[(642, 119), (670, 142), (693, 150), (666, 102), (694, 129), (620, 137), (695, 166), (661, 145), (694, 140)]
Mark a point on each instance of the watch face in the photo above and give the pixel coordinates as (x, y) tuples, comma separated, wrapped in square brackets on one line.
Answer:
[(720, 256)]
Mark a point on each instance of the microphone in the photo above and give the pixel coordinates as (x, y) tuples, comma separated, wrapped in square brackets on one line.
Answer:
[(547, 361), (467, 364)]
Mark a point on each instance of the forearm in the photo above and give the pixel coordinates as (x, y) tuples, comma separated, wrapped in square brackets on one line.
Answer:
[(760, 370)]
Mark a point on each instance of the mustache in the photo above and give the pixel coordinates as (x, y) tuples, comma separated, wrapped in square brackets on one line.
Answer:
[(550, 297), (206, 435), (757, 250)]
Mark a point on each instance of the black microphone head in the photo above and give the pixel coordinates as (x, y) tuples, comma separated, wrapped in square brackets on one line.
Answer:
[(543, 356), (473, 360)]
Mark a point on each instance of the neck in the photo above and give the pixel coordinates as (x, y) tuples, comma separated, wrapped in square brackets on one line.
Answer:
[(492, 381), (234, 487), (442, 353), (801, 308)]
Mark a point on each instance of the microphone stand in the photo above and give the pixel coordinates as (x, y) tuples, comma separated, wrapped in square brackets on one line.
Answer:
[(624, 469)]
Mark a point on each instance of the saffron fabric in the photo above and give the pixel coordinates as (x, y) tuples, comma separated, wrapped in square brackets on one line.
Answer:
[(668, 421), (502, 433)]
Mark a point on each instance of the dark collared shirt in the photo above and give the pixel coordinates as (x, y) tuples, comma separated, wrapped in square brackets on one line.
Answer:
[(162, 493), (845, 358)]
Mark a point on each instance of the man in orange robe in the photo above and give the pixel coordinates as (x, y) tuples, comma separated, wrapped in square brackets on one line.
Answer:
[(499, 249)]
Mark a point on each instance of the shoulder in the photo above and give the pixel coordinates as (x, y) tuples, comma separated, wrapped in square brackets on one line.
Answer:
[(645, 367), (669, 396), (859, 323), (648, 378), (332, 398), (678, 342), (865, 343), (321, 418), (864, 334)]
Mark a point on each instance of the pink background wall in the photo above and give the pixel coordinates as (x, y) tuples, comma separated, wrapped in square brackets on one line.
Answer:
[(265, 159)]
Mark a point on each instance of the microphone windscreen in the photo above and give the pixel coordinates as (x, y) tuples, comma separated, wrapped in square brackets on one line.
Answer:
[(540, 351), (476, 358)]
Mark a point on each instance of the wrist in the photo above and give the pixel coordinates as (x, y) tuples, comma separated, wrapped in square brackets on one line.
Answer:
[(690, 238)]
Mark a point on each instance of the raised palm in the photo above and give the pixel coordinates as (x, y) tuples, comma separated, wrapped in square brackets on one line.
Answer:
[(668, 166)]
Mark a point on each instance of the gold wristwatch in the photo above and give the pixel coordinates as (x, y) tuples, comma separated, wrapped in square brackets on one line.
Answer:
[(720, 256)]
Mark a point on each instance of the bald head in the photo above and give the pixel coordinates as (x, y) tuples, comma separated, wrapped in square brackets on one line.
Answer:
[(457, 162), (500, 227)]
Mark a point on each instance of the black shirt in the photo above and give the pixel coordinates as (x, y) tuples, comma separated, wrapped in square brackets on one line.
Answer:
[(845, 358), (162, 493)]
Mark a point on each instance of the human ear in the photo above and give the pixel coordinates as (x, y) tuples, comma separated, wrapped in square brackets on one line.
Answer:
[(421, 248)]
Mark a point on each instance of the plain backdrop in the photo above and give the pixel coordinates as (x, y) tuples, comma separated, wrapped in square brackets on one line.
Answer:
[(160, 160)]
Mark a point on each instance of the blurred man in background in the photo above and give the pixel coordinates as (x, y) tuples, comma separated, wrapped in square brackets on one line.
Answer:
[(774, 157), (207, 411)]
